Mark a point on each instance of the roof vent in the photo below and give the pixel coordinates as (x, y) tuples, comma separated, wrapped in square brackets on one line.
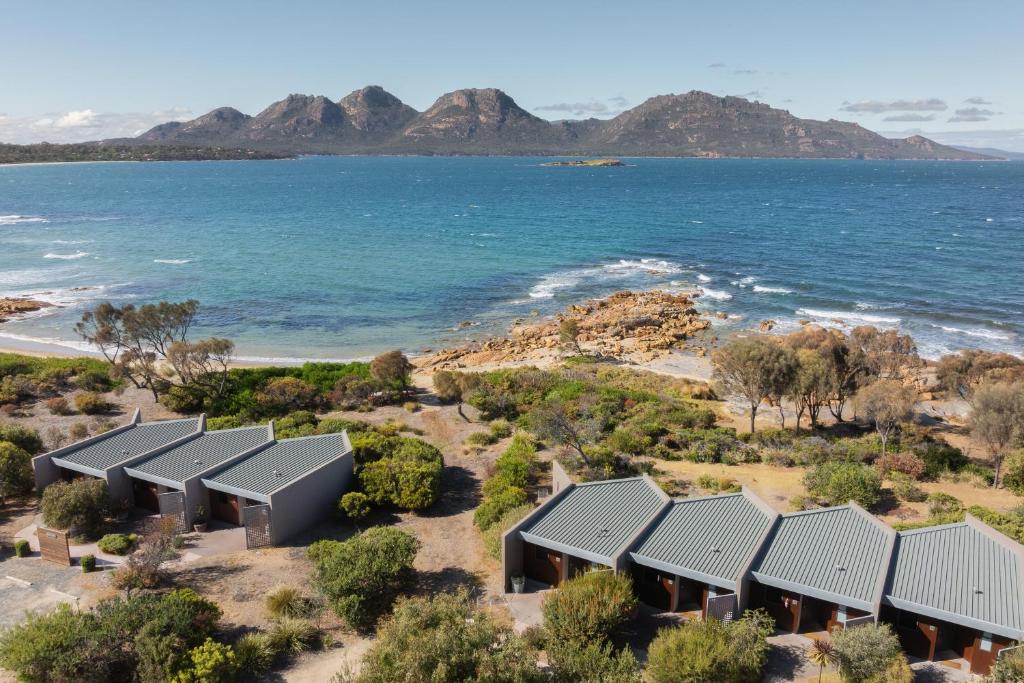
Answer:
[(276, 473), (197, 461), (977, 590), (840, 568), (602, 532), (124, 452), (716, 549)]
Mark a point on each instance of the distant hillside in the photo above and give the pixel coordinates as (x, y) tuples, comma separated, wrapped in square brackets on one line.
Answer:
[(993, 152), (91, 151), (488, 121)]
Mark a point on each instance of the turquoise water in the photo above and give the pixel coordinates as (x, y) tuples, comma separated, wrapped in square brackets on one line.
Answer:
[(341, 257)]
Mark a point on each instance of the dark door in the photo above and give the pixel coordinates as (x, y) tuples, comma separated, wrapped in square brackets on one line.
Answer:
[(655, 588), (224, 506), (541, 564), (146, 495), (784, 608)]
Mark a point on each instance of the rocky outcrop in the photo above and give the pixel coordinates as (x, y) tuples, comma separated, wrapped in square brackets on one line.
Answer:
[(14, 307), (375, 111), (638, 326)]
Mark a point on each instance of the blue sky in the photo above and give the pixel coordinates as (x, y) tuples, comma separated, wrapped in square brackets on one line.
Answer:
[(81, 70)]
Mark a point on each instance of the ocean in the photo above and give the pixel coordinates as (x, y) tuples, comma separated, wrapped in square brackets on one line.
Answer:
[(343, 257)]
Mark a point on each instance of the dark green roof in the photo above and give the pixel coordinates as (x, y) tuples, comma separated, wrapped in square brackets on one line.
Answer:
[(964, 573), (119, 446), (706, 539), (279, 464), (594, 521), (200, 454), (839, 554)]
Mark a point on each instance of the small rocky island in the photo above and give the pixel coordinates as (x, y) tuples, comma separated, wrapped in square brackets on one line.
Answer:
[(586, 162)]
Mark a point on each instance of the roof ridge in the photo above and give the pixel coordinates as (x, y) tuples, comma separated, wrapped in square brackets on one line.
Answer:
[(309, 437), (164, 422), (621, 480), (235, 429), (933, 528), (829, 508), (713, 496)]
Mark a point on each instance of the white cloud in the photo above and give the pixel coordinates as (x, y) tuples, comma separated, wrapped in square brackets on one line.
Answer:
[(878, 106), (910, 117), (972, 114), (84, 125), (613, 106)]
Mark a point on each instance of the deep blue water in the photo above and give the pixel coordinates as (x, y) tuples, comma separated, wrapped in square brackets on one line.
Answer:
[(345, 256)]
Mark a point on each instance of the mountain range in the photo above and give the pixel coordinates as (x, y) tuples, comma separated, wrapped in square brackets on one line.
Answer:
[(489, 122)]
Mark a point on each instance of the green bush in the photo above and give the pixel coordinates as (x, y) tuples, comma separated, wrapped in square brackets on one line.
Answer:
[(497, 504), (481, 439), (254, 653), (286, 601), (23, 437), (292, 635), (88, 563), (905, 489), (361, 577), (940, 503), (492, 535), (865, 653), (116, 544), (224, 422), (355, 505), (91, 403), (21, 548), (211, 662), (80, 506), (55, 646), (445, 638), (16, 478), (939, 458), (593, 662), (283, 395), (1013, 472), (589, 608), (837, 483), (1008, 669), (403, 471), (710, 650), (903, 462)]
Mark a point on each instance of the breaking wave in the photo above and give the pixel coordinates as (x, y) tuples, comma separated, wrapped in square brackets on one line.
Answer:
[(716, 294), (66, 257), (173, 261), (772, 290), (15, 219), (847, 315), (622, 270)]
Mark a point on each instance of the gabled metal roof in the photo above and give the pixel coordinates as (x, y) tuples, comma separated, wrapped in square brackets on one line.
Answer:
[(964, 573), (205, 452), (137, 439), (260, 474), (594, 521), (839, 554), (710, 539)]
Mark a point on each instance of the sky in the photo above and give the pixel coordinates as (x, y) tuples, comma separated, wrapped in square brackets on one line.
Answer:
[(73, 71)]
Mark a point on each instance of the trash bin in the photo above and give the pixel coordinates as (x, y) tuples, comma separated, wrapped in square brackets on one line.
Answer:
[(518, 584)]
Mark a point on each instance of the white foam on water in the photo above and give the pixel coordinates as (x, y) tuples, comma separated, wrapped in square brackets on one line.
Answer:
[(173, 261), (772, 290), (622, 269), (847, 315), (979, 332), (716, 294), (14, 219), (70, 241), (66, 257), (703, 278)]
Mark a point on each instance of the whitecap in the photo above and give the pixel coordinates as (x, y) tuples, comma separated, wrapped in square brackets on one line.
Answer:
[(624, 269), (990, 220), (703, 278), (980, 333), (645, 265), (66, 257), (173, 261), (772, 290), (846, 315), (716, 294), (71, 241), (697, 222), (15, 219)]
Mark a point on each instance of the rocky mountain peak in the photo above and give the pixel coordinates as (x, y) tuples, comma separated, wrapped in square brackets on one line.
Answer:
[(374, 109)]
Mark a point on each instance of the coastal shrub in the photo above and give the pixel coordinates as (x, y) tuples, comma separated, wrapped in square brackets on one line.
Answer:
[(481, 439), (707, 445), (903, 462), (592, 662), (769, 438), (224, 422), (80, 506), (492, 534), (444, 637), (92, 403), (866, 652), (361, 577), (21, 548), (355, 505), (837, 483), (940, 503), (711, 650), (592, 607), (292, 635), (391, 369), (1013, 472), (24, 438), (1008, 669), (497, 504), (905, 489), (708, 482), (939, 458), (333, 425), (500, 428), (211, 662), (55, 646), (506, 490), (116, 544), (78, 431), (88, 563), (402, 471), (410, 406), (16, 478), (58, 405), (254, 653), (284, 395)]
